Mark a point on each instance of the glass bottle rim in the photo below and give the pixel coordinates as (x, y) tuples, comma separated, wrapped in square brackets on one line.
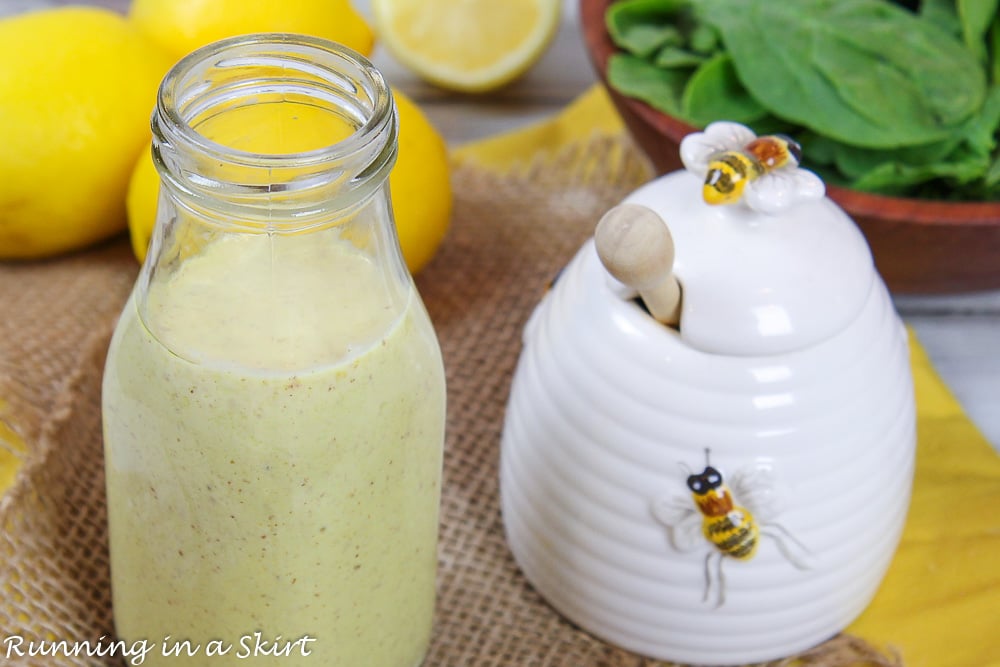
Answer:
[(363, 136)]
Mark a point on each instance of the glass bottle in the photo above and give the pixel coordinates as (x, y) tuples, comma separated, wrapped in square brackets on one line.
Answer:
[(274, 394)]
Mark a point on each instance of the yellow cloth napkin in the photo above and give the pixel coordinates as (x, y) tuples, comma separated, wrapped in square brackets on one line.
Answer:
[(939, 604), (12, 449), (591, 114)]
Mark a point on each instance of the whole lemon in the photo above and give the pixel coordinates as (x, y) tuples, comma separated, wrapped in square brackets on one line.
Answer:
[(143, 196), (180, 27), (419, 184), (75, 97)]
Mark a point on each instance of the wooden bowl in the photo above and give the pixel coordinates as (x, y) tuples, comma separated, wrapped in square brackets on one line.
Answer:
[(920, 246)]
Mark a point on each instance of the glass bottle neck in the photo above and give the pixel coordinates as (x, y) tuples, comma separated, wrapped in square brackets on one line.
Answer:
[(274, 131), (274, 153)]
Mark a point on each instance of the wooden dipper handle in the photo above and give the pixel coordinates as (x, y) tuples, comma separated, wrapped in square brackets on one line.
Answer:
[(635, 247)]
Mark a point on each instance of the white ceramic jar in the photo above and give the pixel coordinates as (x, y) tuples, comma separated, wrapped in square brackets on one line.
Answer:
[(783, 407)]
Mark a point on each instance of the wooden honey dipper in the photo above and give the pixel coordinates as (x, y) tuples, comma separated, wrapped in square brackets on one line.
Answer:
[(636, 248)]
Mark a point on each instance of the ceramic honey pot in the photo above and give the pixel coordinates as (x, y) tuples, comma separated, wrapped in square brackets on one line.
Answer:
[(708, 449)]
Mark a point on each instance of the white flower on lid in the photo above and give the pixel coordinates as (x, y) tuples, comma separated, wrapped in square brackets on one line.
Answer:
[(737, 165)]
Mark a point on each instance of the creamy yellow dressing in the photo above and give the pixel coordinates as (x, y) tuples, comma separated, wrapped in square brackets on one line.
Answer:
[(274, 457)]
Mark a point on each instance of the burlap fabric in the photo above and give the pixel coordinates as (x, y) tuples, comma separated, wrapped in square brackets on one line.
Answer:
[(510, 236)]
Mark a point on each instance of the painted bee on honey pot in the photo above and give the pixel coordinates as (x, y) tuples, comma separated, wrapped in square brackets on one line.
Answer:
[(731, 530), (730, 171), (738, 165)]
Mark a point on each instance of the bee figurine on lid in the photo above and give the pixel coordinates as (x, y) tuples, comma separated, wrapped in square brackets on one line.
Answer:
[(709, 444)]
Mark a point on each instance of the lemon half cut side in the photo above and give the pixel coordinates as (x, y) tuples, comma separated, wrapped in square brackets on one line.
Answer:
[(467, 45)]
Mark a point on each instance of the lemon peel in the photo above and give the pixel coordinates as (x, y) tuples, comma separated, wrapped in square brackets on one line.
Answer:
[(182, 27)]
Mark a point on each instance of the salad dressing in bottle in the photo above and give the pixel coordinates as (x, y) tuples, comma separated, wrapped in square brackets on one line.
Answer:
[(274, 393)]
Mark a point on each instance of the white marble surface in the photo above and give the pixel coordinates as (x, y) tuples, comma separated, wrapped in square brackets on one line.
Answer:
[(961, 333)]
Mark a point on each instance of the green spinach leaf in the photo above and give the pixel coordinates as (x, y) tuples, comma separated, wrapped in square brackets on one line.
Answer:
[(980, 133), (994, 49), (976, 16), (817, 148), (714, 91), (962, 157), (855, 162), (660, 88), (704, 39), (992, 178), (943, 14), (960, 168), (672, 56), (860, 71), (642, 27)]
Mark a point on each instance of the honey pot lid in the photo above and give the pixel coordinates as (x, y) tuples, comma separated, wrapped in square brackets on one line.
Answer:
[(766, 263)]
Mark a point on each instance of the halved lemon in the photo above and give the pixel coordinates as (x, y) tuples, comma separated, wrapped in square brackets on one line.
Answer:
[(467, 45)]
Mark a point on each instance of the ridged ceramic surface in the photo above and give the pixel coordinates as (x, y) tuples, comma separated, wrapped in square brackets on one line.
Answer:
[(610, 412)]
